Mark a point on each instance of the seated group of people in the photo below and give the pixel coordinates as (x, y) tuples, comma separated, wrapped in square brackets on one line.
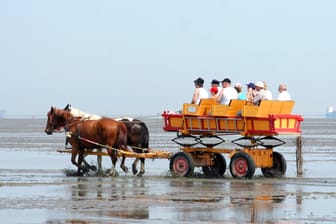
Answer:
[(255, 92)]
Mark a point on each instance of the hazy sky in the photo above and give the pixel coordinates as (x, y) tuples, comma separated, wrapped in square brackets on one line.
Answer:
[(140, 57)]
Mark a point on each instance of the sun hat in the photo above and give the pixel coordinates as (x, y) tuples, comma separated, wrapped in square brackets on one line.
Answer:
[(260, 84)]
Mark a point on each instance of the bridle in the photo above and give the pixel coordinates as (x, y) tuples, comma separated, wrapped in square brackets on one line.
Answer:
[(55, 116)]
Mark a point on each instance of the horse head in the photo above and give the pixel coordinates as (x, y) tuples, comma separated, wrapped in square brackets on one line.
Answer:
[(56, 120)]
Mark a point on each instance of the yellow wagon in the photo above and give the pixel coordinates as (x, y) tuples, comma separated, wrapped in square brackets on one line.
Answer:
[(200, 129)]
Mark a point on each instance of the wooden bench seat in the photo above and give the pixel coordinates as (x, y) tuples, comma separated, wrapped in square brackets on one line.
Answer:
[(268, 107)]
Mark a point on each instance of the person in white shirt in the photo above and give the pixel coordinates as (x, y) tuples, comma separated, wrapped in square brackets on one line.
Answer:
[(227, 93), (200, 92), (261, 93), (269, 94), (283, 93)]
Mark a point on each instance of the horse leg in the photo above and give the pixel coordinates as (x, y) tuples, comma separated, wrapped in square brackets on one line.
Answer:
[(87, 165), (113, 172), (93, 167), (80, 161), (134, 166), (122, 165), (142, 168), (73, 159), (99, 161)]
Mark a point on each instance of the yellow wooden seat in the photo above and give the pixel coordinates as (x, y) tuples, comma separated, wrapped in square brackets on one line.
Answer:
[(190, 109), (264, 108), (250, 111), (219, 110), (235, 107), (275, 107), (287, 107), (205, 106)]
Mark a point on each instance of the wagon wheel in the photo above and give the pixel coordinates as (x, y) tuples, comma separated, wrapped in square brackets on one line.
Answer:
[(242, 165), (279, 166), (181, 164), (218, 168)]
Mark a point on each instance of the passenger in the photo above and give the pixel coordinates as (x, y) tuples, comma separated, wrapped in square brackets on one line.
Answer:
[(283, 93), (269, 94), (213, 92), (215, 83), (241, 94), (200, 92), (227, 93), (261, 93), (251, 91)]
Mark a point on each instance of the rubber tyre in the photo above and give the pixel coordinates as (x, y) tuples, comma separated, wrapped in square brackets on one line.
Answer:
[(242, 166), (219, 167), (181, 164), (279, 167)]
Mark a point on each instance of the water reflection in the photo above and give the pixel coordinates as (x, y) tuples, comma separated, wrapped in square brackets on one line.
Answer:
[(186, 199), (224, 200), (110, 198), (256, 202)]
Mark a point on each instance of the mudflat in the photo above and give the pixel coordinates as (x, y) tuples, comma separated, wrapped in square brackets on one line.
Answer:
[(35, 185)]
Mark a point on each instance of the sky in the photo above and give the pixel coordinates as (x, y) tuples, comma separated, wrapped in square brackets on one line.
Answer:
[(140, 57)]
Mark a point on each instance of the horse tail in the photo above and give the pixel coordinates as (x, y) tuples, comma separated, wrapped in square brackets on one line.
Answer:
[(144, 139)]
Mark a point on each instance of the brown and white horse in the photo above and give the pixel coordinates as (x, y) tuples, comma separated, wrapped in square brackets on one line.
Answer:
[(137, 136), (106, 132)]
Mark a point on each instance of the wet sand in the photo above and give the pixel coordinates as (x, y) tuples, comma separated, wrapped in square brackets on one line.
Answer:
[(34, 187)]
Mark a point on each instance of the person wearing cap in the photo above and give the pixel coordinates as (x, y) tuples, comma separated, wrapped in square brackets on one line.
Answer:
[(227, 93), (241, 94), (200, 92), (213, 91), (215, 83), (261, 93), (283, 93), (251, 91)]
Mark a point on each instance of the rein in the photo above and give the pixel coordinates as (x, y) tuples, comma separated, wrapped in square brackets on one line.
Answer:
[(70, 124), (101, 145), (98, 144)]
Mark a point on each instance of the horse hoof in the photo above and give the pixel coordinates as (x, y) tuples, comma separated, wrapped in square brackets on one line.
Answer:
[(134, 170), (114, 174), (93, 168), (125, 169), (139, 174)]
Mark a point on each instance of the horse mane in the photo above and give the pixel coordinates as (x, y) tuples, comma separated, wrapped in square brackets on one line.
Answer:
[(125, 119), (79, 113)]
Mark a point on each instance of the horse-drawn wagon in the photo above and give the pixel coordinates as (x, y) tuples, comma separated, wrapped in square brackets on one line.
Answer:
[(200, 130)]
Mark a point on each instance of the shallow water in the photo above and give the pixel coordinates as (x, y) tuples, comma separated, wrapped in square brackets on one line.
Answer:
[(35, 189)]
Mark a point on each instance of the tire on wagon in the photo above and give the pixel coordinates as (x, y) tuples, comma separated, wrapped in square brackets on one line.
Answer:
[(279, 166), (218, 168), (242, 165), (182, 164)]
